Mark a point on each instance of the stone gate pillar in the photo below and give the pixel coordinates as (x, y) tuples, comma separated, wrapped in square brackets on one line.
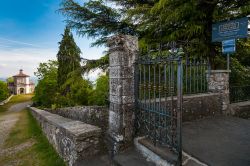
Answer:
[(218, 82), (123, 50)]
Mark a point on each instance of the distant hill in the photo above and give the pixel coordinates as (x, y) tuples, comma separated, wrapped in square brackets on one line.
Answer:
[(33, 79), (3, 79)]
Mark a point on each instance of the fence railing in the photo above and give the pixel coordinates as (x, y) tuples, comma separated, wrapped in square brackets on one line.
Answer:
[(239, 93), (195, 75), (157, 80)]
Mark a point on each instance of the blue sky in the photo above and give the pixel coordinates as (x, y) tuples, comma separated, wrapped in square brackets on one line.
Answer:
[(29, 34)]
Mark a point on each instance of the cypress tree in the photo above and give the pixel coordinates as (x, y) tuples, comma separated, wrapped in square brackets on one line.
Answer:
[(68, 59)]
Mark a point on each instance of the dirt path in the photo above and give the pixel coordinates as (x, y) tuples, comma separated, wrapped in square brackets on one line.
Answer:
[(19, 107), (8, 121)]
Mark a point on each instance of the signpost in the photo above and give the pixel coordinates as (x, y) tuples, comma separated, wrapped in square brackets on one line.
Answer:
[(227, 31), (233, 29), (228, 47)]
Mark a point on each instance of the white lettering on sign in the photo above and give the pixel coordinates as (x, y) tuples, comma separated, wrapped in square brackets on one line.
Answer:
[(231, 26)]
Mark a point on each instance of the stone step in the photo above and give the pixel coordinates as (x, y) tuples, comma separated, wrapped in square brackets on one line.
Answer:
[(162, 152), (101, 160), (131, 157)]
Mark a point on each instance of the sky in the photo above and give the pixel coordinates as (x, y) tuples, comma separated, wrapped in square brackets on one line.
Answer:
[(29, 34)]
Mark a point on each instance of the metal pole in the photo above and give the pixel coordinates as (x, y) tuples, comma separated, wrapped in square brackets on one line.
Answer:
[(179, 110), (228, 62)]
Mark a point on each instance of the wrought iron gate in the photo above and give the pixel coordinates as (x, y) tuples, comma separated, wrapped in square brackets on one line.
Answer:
[(159, 100)]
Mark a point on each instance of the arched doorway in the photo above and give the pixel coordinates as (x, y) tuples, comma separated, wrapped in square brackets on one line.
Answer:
[(21, 90)]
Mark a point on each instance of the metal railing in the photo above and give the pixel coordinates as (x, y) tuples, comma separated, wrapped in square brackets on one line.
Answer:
[(162, 78), (195, 72), (239, 93), (159, 100)]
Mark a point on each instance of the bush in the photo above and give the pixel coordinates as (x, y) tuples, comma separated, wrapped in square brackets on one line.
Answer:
[(99, 95), (4, 92)]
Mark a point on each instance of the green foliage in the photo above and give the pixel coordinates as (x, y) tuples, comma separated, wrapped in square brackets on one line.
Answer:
[(45, 92), (60, 82), (46, 89), (78, 92), (10, 80), (4, 92), (240, 63), (48, 69), (73, 89), (240, 75), (100, 94), (68, 57), (187, 22), (101, 63), (95, 19)]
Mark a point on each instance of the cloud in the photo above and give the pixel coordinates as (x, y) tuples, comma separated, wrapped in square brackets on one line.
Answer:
[(10, 42), (3, 65), (16, 54), (26, 58)]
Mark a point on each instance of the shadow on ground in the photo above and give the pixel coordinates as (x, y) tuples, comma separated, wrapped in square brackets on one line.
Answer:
[(220, 141)]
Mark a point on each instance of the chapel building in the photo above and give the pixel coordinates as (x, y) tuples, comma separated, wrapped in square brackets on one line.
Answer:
[(21, 84)]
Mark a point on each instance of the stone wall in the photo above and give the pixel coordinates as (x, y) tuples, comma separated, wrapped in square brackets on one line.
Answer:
[(196, 106), (241, 109), (201, 105), (73, 140), (6, 101), (94, 115), (218, 82)]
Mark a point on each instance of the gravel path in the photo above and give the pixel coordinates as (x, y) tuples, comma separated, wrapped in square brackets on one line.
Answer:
[(16, 149), (19, 107), (8, 121)]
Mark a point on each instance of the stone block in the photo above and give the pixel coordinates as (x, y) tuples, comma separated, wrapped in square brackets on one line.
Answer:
[(118, 58), (121, 86), (73, 140), (121, 72), (121, 99), (94, 115), (115, 122)]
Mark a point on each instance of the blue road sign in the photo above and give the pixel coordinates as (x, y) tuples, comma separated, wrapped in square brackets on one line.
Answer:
[(232, 29), (228, 46)]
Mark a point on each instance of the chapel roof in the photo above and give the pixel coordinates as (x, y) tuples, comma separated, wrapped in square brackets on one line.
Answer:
[(21, 74)]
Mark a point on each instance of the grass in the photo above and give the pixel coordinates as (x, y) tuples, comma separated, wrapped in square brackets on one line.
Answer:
[(14, 100), (41, 153)]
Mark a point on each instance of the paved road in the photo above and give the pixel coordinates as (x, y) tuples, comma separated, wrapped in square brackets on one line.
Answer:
[(221, 141)]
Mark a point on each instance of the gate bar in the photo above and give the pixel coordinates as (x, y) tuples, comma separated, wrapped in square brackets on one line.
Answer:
[(179, 110)]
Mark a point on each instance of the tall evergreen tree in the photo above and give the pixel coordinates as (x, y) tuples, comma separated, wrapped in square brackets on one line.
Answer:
[(68, 58)]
